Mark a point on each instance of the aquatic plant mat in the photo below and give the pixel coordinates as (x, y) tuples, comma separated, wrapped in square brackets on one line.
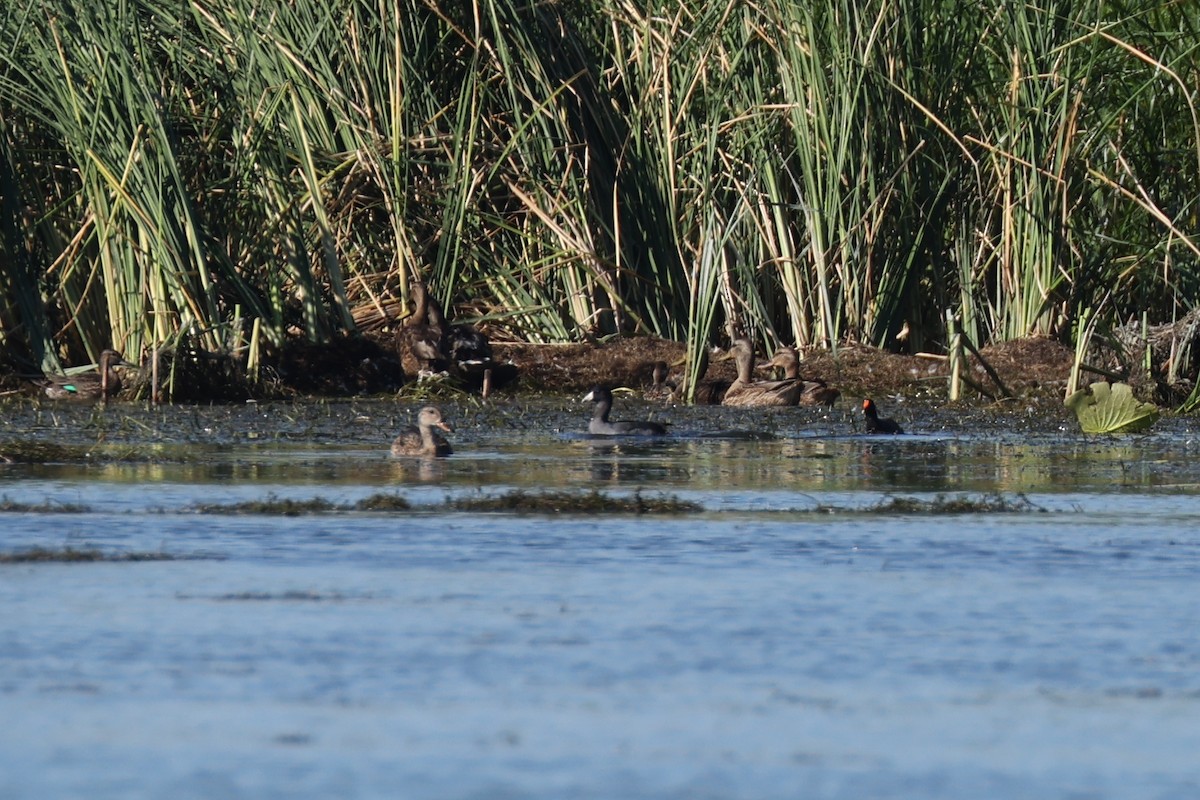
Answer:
[(593, 502), (49, 507), (955, 504), (41, 555), (516, 501), (597, 502)]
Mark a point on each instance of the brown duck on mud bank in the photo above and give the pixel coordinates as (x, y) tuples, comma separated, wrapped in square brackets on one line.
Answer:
[(745, 391), (812, 392), (103, 384), (429, 346)]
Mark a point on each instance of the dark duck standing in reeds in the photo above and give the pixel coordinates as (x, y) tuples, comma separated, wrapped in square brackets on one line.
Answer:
[(812, 392), (421, 439), (709, 391), (421, 336), (429, 346), (660, 388), (876, 423), (100, 385), (745, 391), (601, 426)]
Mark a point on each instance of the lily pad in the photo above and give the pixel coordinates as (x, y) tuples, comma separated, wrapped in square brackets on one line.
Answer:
[(1111, 408)]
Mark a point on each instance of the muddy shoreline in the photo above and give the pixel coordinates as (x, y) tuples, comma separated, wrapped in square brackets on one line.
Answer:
[(1032, 370)]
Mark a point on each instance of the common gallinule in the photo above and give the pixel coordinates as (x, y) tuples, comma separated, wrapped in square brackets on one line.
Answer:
[(876, 423)]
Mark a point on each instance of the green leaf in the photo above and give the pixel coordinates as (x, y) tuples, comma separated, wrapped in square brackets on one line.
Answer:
[(1111, 408)]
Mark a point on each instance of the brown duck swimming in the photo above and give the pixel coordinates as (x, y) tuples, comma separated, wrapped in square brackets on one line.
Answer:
[(421, 439), (876, 423), (812, 392), (90, 385), (745, 391)]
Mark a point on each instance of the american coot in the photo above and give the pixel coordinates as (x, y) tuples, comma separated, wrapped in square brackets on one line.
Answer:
[(875, 423), (813, 392), (600, 426), (421, 439), (745, 391), (90, 385)]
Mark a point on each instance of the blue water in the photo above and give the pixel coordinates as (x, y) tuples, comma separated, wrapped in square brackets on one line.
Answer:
[(759, 649)]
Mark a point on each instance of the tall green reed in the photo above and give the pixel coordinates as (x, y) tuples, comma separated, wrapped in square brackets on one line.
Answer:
[(814, 173)]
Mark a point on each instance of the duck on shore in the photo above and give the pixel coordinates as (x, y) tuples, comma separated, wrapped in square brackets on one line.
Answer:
[(599, 425), (421, 439), (813, 392), (99, 385), (709, 391), (745, 391), (431, 347)]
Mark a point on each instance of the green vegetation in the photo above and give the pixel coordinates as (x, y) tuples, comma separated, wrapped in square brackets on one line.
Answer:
[(383, 502), (993, 503), (1111, 408), (272, 506), (219, 176)]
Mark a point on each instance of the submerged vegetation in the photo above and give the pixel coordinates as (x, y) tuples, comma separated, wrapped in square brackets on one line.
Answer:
[(568, 502), (38, 555), (995, 503), (518, 500), (49, 507), (210, 180)]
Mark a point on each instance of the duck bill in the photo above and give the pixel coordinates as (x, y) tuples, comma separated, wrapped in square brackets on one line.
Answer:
[(446, 426), (589, 397)]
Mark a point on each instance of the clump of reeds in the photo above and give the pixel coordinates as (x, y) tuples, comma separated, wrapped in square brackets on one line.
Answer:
[(805, 172)]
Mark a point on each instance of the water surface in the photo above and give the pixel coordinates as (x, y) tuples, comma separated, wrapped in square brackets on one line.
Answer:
[(783, 642)]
